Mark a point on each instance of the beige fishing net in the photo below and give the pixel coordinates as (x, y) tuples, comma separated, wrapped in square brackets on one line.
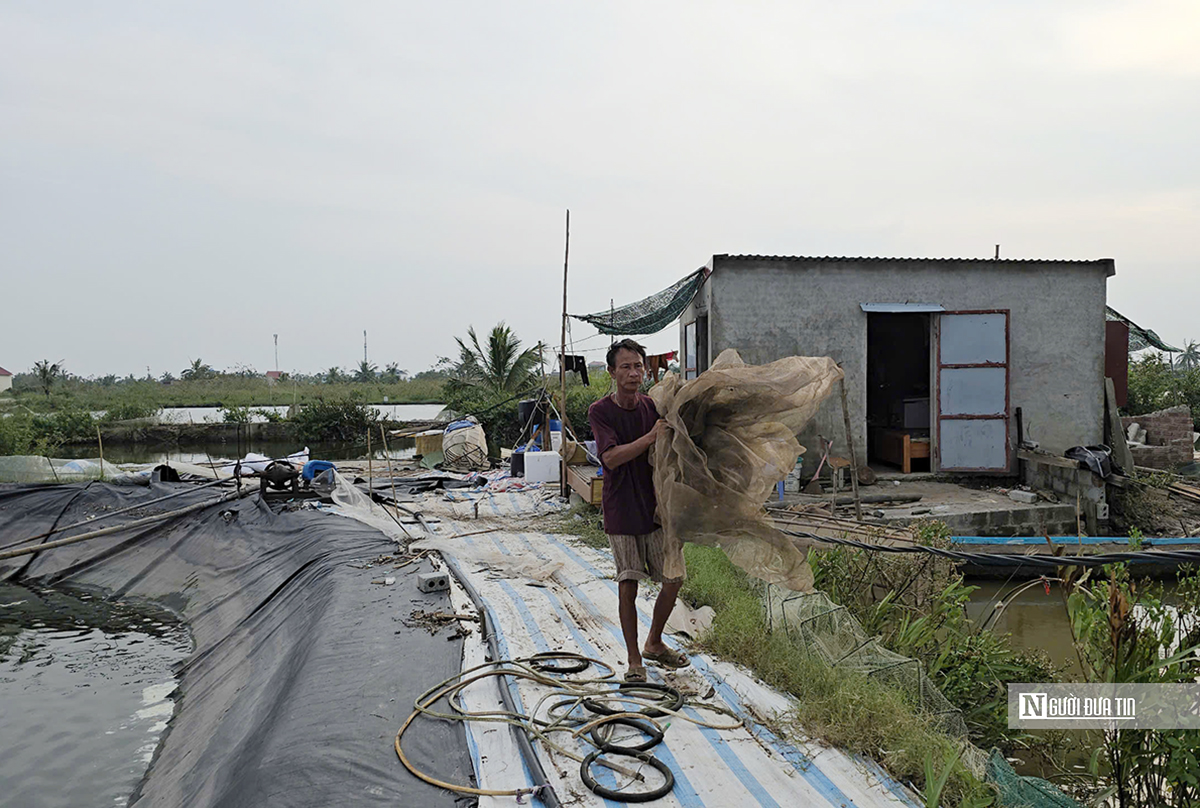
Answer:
[(732, 438)]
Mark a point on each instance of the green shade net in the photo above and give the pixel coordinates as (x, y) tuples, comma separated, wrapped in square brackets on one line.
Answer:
[(650, 315), (1139, 338)]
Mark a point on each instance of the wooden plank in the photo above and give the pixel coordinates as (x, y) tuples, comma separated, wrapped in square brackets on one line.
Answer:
[(1121, 451), (585, 482), (1048, 459)]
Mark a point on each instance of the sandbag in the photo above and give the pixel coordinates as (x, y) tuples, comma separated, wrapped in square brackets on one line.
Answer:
[(732, 438)]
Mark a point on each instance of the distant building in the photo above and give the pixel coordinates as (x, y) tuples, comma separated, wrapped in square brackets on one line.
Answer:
[(273, 376), (5, 380)]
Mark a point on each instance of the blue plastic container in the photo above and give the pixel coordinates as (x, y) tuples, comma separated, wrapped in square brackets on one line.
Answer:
[(314, 467)]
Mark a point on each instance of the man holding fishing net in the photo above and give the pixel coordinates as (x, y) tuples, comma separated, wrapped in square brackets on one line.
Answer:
[(625, 424)]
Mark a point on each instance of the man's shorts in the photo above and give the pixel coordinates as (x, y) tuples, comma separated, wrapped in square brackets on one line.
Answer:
[(640, 557)]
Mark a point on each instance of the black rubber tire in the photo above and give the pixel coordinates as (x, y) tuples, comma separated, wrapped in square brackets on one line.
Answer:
[(585, 774), (646, 728), (544, 662), (675, 703)]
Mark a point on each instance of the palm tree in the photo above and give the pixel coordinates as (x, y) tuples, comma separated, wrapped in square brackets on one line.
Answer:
[(197, 371), (47, 374), (334, 375), (366, 372), (500, 365), (1189, 359), (392, 373)]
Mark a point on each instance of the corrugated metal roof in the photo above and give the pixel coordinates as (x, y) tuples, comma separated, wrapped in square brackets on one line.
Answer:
[(1109, 263), (4, 372)]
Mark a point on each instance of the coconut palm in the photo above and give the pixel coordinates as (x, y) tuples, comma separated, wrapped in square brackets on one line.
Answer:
[(47, 374), (198, 371), (499, 365), (366, 372), (1189, 359)]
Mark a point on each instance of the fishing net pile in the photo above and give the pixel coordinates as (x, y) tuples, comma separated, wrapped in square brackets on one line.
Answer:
[(732, 438)]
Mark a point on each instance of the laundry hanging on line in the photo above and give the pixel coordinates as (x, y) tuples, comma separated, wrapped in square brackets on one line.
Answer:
[(658, 363), (576, 363)]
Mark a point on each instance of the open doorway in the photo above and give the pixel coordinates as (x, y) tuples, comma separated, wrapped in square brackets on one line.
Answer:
[(898, 411)]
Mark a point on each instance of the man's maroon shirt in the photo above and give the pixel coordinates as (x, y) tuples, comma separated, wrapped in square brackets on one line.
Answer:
[(628, 500)]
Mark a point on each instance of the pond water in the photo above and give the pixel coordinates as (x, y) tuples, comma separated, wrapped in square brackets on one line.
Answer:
[(392, 412), (86, 686), (217, 452)]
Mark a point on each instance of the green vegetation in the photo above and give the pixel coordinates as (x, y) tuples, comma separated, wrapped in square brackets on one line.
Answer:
[(337, 418), (202, 387), (916, 605), (1155, 384), (1125, 632), (841, 707)]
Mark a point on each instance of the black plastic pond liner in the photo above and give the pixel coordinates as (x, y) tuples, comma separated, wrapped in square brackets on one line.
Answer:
[(303, 669)]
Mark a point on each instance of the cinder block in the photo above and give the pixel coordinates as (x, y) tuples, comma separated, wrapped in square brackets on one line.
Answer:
[(1024, 497), (433, 582)]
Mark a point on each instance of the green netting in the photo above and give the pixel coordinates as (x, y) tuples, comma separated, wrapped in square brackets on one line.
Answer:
[(1139, 338), (650, 315), (1018, 790), (829, 632)]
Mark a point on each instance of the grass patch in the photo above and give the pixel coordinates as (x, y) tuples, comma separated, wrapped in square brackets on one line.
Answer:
[(582, 521), (845, 709)]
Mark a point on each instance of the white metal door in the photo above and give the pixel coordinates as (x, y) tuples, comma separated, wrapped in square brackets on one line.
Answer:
[(973, 361)]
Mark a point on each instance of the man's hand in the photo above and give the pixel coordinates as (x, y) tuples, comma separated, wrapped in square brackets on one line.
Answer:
[(620, 455)]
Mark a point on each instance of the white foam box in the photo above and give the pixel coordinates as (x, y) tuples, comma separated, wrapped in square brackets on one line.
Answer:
[(542, 467)]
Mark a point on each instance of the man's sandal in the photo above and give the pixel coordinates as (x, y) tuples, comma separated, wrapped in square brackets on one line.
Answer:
[(668, 658), (636, 673)]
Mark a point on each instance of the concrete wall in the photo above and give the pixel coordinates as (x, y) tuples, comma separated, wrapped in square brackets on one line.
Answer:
[(769, 308), (5, 383)]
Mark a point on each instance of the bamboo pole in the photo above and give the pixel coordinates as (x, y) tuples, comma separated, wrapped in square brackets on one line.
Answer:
[(850, 445), (370, 466), (50, 545), (100, 441), (562, 365), (110, 514), (387, 453)]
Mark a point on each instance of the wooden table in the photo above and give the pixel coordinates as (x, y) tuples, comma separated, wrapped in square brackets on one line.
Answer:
[(900, 447)]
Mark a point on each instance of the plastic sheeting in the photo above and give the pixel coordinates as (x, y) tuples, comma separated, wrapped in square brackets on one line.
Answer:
[(303, 669), (732, 438), (33, 469)]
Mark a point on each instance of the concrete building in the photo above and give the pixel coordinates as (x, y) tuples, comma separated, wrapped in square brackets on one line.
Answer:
[(939, 354), (5, 380)]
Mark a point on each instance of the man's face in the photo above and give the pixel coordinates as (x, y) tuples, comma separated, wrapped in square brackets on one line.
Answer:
[(629, 370)]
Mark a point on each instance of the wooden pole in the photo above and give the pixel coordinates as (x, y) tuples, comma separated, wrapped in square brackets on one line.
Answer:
[(850, 445), (370, 467), (388, 454), (562, 365), (100, 441)]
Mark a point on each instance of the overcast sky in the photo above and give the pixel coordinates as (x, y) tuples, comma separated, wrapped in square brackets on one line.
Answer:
[(183, 180)]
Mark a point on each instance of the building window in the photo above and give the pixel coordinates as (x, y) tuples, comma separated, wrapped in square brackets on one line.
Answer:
[(690, 357)]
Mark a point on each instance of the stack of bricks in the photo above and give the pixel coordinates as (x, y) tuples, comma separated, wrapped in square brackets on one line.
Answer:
[(1168, 437)]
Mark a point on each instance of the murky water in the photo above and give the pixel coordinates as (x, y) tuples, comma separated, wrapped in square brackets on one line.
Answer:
[(85, 686), (219, 453), (1036, 619)]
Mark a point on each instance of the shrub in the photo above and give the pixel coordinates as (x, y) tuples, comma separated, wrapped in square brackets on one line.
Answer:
[(335, 419), (236, 415), (64, 426)]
